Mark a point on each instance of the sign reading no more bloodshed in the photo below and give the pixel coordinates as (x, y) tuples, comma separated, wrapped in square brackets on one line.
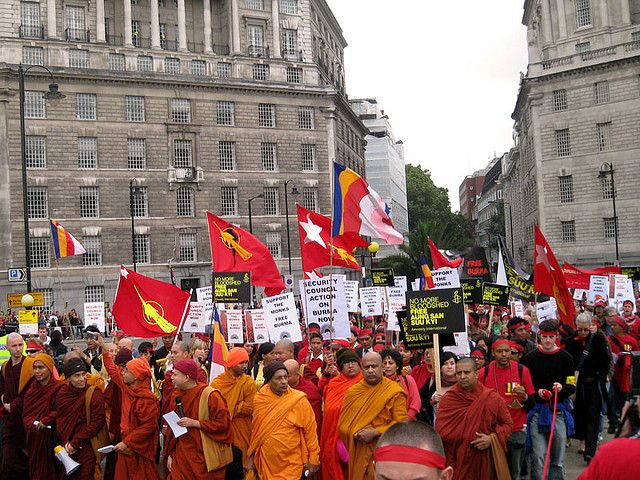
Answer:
[(232, 287), (494, 294), (435, 311)]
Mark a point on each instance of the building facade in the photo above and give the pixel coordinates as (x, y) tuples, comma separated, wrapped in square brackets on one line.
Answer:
[(172, 108), (468, 191), (486, 208), (576, 119)]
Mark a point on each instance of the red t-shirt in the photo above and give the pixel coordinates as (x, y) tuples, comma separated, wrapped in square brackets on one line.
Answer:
[(616, 460), (622, 368)]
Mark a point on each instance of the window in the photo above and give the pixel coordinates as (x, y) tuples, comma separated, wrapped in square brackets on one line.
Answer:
[(134, 107), (289, 43), (87, 152), (227, 153), (32, 56), (172, 65), (39, 252), (142, 248), (94, 293), (308, 157), (188, 247), (140, 203), (36, 151), (568, 231), (145, 63), (271, 200), (583, 13), (223, 69), (180, 110), (93, 245), (563, 143), (135, 33), (79, 58), (274, 244), (89, 202), (137, 154), (260, 71), (635, 36), (605, 183), (48, 298), (601, 92), (86, 106), (566, 188), (30, 20), (610, 228), (305, 118), (75, 25), (255, 35), (310, 198), (266, 115), (163, 36), (182, 155), (268, 154), (255, 4), (294, 74), (604, 136), (225, 113), (198, 67), (116, 62), (37, 202), (583, 47), (229, 204), (559, 100), (290, 7), (184, 196)]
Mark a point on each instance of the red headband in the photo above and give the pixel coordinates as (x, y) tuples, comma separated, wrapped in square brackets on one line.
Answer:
[(404, 454), (500, 342)]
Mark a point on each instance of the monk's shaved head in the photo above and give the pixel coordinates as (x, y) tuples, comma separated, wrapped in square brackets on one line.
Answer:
[(283, 350), (466, 374), (71, 354), (468, 360), (412, 434), (372, 368), (292, 366)]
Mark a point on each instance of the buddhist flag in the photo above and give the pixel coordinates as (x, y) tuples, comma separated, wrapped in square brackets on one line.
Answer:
[(218, 351), (147, 308), (64, 244), (439, 260), (426, 280)]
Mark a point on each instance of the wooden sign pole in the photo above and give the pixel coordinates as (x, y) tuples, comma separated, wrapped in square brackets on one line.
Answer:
[(435, 359)]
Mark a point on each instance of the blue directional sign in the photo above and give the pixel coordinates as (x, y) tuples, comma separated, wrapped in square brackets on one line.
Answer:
[(17, 274)]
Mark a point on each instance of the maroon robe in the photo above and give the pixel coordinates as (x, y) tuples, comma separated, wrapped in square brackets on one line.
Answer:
[(315, 399), (14, 461)]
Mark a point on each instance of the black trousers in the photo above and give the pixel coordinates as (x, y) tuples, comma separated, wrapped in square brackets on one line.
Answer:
[(587, 410)]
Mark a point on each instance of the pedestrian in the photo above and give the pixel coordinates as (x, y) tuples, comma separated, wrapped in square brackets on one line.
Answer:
[(392, 366), (622, 344), (299, 382)]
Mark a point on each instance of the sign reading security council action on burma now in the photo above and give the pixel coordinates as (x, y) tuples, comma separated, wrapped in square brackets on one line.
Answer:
[(232, 287), (494, 294), (435, 311)]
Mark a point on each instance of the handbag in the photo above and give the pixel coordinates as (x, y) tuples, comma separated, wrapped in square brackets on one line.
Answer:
[(585, 354)]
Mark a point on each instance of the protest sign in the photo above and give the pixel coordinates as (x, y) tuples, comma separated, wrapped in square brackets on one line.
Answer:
[(198, 318), (494, 294), (94, 315), (257, 331), (546, 310), (382, 277), (475, 265), (580, 294), (420, 341), (620, 289), (371, 301), (517, 308), (436, 311), (28, 321), (598, 285), (632, 272), (472, 290), (415, 285), (232, 287), (235, 332), (400, 282), (461, 347), (326, 305), (520, 287), (281, 317), (205, 296), (351, 295), (445, 278)]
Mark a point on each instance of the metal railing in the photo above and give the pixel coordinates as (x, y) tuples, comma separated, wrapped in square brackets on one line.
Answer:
[(31, 31), (115, 40), (141, 42), (77, 35), (258, 51), (292, 55)]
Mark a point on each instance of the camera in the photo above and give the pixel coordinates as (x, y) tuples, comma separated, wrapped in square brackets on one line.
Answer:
[(92, 335)]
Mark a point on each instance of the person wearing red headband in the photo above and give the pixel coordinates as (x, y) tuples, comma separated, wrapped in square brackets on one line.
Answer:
[(364, 339), (622, 344), (411, 450), (517, 327), (633, 322)]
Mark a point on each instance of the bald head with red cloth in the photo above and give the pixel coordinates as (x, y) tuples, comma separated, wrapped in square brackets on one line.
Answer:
[(139, 368)]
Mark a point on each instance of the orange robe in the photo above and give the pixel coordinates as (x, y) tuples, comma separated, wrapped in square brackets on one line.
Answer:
[(330, 467), (239, 393), (366, 406), (284, 436), (188, 462)]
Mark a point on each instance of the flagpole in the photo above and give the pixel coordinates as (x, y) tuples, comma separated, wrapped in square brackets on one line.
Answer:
[(73, 335), (333, 193), (184, 317)]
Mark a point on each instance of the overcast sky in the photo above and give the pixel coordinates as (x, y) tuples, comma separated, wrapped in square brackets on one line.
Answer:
[(446, 73)]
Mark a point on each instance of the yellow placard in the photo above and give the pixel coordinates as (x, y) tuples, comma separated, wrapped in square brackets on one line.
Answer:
[(26, 317), (14, 300)]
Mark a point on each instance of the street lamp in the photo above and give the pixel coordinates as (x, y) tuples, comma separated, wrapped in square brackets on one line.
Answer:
[(53, 95), (253, 288), (134, 193), (294, 191), (510, 218), (607, 169)]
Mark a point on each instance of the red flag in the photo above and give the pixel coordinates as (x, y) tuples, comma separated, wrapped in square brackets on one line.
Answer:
[(317, 246), (580, 278), (439, 260), (548, 278), (146, 307), (236, 250)]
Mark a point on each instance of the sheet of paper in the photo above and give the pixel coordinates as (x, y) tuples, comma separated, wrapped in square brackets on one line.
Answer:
[(172, 419), (106, 449)]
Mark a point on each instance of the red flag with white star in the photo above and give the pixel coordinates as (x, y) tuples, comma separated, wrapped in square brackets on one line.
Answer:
[(548, 278)]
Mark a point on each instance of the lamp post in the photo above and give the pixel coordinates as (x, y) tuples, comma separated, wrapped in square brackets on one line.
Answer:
[(294, 191), (253, 288), (52, 95), (134, 192), (607, 169), (510, 219)]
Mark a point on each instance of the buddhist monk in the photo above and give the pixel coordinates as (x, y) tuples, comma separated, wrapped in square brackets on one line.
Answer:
[(284, 442), (38, 417), (204, 413), (73, 431), (299, 382), (369, 408), (474, 424), (179, 351)]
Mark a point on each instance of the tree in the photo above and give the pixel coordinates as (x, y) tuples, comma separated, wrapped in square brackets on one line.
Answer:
[(496, 225)]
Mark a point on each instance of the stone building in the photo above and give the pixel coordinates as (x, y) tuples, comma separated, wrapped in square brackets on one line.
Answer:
[(576, 116), (196, 105), (468, 192)]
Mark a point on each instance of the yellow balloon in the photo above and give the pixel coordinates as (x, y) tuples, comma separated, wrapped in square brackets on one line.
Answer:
[(27, 300), (373, 247)]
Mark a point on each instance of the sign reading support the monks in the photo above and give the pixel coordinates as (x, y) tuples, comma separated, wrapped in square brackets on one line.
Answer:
[(321, 301), (351, 294), (235, 333), (198, 318), (232, 287), (382, 277), (371, 301), (94, 315), (400, 282), (435, 311), (257, 331), (28, 322), (445, 278), (281, 317), (472, 291), (494, 294)]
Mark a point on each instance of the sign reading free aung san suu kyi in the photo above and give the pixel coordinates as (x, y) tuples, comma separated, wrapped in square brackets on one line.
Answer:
[(435, 311)]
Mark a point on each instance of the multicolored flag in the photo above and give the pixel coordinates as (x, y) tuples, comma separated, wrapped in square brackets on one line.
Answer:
[(146, 307), (439, 260), (426, 280), (64, 244), (218, 350)]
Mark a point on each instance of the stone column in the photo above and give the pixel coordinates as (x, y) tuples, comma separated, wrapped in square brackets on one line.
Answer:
[(52, 28), (155, 25), (182, 27), (100, 33), (6, 253), (275, 20), (206, 8), (126, 27), (626, 13), (604, 12), (547, 34), (235, 26), (562, 19)]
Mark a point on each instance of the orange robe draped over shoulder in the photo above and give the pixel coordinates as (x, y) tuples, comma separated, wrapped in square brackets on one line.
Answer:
[(366, 406), (460, 415), (284, 436)]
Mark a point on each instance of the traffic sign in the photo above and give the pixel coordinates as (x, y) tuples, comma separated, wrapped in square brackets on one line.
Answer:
[(17, 274), (28, 322), (14, 300)]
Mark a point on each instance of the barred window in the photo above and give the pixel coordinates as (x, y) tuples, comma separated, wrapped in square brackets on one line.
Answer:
[(172, 65), (86, 106), (39, 252), (116, 62), (568, 231), (560, 100), (87, 152), (180, 110), (635, 36), (140, 203), (94, 293), (255, 4), (223, 69), (266, 115), (225, 113), (48, 298), (79, 58), (93, 245), (269, 159), (566, 188), (198, 67), (583, 47), (36, 151), (308, 157), (145, 63), (294, 75), (310, 198), (30, 20), (89, 202), (32, 56), (610, 228), (289, 42), (305, 118), (229, 203), (134, 107), (185, 207), (290, 7), (601, 92), (182, 156), (274, 244), (188, 247), (260, 71), (583, 13), (604, 136), (37, 202), (142, 248), (163, 36), (607, 189), (137, 154), (135, 32), (227, 153), (271, 200), (34, 105), (563, 143)]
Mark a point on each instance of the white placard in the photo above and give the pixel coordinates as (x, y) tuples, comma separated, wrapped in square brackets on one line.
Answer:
[(517, 309), (198, 318), (445, 278), (339, 275), (319, 307), (94, 315), (257, 331), (235, 333), (205, 296), (397, 295), (392, 319), (371, 301), (351, 295), (598, 285), (461, 348), (622, 287), (578, 294), (281, 317), (400, 282), (415, 285), (546, 310)]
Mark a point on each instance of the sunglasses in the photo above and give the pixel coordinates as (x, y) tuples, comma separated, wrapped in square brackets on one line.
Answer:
[(33, 351)]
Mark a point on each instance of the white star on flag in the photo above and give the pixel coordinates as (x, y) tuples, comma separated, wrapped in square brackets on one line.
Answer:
[(541, 257), (313, 232), (123, 272)]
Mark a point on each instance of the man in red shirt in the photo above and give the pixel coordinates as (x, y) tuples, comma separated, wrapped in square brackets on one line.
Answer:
[(633, 322), (513, 383), (622, 344)]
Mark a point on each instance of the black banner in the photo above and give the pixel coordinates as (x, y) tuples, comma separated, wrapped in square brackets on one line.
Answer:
[(472, 291), (435, 311), (521, 287), (232, 287), (494, 294), (421, 341), (632, 272), (382, 277), (475, 265)]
